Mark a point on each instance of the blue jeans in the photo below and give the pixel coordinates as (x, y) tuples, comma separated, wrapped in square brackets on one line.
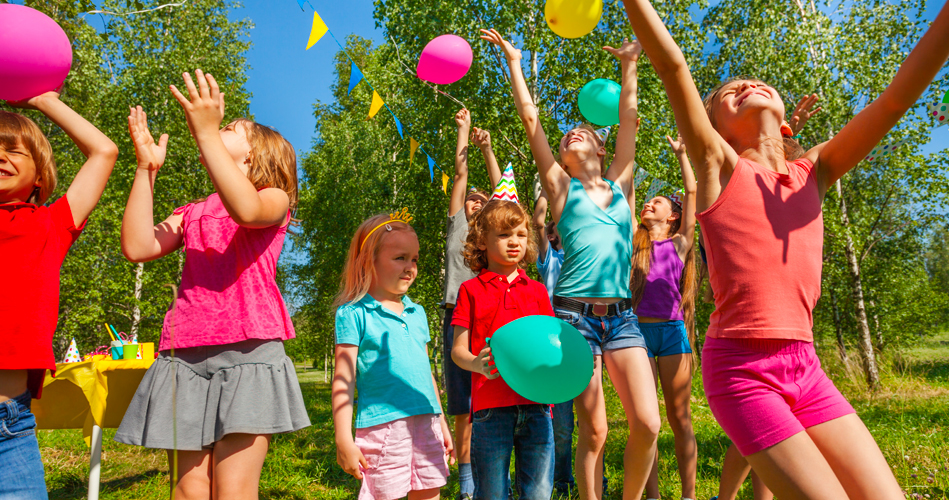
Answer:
[(527, 431), (21, 469), (606, 333)]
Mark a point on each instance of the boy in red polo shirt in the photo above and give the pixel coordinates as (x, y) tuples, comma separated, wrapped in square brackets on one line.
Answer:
[(499, 242)]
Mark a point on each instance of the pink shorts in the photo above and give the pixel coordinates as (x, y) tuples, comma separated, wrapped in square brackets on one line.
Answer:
[(764, 391), (403, 455)]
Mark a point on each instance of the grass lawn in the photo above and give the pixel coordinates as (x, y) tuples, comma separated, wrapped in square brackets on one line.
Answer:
[(908, 418)]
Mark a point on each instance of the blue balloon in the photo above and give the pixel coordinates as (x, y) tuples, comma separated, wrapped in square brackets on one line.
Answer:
[(599, 102)]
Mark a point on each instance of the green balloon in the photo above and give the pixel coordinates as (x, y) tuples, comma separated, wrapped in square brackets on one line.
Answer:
[(542, 358), (599, 102), (945, 98)]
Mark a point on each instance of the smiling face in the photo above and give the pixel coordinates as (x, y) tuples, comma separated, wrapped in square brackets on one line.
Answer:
[(745, 106), (506, 247), (27, 169), (396, 264), (18, 176), (473, 203), (658, 210), (579, 145)]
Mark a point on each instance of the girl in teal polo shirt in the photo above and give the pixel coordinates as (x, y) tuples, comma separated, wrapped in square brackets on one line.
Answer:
[(402, 444)]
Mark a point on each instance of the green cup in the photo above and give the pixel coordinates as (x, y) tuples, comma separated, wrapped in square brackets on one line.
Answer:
[(129, 351)]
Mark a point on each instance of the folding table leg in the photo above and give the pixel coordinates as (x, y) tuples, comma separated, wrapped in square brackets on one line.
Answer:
[(94, 461)]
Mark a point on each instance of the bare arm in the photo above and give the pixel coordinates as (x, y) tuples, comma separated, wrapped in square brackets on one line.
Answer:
[(247, 206), (482, 139), (348, 455), (142, 240), (483, 363), (621, 168), (684, 239), (540, 223), (852, 144), (459, 184), (710, 153), (552, 175), (100, 152)]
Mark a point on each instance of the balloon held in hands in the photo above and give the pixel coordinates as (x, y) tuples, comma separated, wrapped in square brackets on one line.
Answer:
[(599, 102), (573, 18), (35, 54), (542, 358), (446, 59)]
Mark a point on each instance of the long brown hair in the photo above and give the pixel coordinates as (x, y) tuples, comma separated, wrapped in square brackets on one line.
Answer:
[(273, 162), (498, 215), (16, 130), (360, 269), (642, 262)]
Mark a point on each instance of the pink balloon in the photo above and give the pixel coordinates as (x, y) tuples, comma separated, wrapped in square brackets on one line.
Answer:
[(446, 59), (35, 54)]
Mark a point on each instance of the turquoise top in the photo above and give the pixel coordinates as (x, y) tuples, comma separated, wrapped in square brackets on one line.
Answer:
[(393, 375), (597, 245)]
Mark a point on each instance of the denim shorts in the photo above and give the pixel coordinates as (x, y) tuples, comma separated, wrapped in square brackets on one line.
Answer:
[(457, 380), (606, 333), (666, 338), (21, 475)]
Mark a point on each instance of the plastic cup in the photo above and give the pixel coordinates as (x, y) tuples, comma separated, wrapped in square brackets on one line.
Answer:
[(116, 352), (129, 351), (148, 350)]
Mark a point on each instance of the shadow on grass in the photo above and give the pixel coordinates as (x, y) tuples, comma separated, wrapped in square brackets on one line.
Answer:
[(934, 371)]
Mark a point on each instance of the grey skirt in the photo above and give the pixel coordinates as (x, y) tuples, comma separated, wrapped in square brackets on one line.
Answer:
[(249, 387)]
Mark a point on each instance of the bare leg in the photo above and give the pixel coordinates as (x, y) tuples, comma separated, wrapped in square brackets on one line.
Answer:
[(194, 475), (760, 489), (795, 469), (238, 461), (675, 374), (734, 471), (632, 377), (432, 494), (462, 439), (652, 484), (591, 435)]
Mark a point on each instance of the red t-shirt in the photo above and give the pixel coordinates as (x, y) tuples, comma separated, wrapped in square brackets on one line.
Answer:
[(486, 303), (34, 240)]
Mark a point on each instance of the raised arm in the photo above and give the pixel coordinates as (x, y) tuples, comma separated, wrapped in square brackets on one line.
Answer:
[(621, 169), (802, 113), (142, 240), (685, 238), (540, 222), (343, 394), (552, 175), (243, 202), (710, 153), (482, 139), (459, 185), (100, 152), (852, 144)]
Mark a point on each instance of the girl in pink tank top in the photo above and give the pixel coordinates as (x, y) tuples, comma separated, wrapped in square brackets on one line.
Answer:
[(222, 359), (763, 230)]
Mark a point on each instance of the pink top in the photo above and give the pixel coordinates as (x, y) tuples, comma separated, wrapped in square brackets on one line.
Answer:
[(228, 290), (661, 295), (764, 237)]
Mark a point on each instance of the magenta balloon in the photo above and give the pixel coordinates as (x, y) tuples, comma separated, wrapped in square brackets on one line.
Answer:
[(445, 60), (35, 54)]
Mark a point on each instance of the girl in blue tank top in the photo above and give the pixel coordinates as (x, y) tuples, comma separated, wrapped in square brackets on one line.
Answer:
[(595, 223), (663, 291)]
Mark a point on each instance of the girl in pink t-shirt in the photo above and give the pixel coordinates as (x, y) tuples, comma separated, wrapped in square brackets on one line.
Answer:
[(222, 384), (762, 225)]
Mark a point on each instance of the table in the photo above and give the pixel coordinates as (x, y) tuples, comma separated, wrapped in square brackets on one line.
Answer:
[(90, 395)]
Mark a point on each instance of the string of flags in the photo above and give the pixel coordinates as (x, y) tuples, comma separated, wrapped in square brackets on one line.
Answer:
[(937, 110)]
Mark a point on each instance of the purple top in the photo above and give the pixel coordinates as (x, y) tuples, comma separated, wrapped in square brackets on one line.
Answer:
[(661, 296)]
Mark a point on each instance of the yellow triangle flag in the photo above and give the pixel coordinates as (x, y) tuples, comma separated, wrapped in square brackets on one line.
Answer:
[(413, 147), (376, 104), (319, 29), (445, 182)]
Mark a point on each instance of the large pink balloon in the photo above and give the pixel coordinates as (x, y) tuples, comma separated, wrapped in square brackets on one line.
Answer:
[(445, 60), (35, 54)]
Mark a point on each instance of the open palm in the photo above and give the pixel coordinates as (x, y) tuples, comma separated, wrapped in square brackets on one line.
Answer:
[(149, 154)]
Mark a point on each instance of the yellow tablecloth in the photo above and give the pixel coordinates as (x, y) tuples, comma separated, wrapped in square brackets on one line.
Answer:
[(87, 393)]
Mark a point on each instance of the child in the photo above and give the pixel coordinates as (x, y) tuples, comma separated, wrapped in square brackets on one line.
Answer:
[(35, 239), (762, 225), (460, 210), (595, 225), (402, 438), (663, 289), (499, 245), (221, 349)]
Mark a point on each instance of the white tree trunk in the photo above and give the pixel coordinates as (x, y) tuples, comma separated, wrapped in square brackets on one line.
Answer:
[(136, 310)]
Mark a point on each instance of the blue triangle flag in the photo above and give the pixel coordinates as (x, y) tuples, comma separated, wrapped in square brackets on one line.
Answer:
[(398, 124), (431, 168), (355, 76)]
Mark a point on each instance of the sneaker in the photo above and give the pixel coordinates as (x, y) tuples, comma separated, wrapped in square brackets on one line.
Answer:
[(463, 496)]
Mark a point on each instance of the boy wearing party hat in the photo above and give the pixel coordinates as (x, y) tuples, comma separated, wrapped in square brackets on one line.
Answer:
[(499, 246)]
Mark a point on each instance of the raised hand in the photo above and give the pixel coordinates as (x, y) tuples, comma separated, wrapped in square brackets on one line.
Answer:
[(629, 50), (494, 37), (481, 137), (677, 145), (150, 156), (802, 113), (33, 102), (204, 106), (463, 118)]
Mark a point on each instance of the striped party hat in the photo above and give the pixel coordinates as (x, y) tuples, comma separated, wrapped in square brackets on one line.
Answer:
[(506, 190)]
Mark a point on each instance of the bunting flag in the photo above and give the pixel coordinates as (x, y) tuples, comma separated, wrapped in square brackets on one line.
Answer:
[(882, 151), (445, 182), (654, 188), (72, 354), (398, 124), (506, 190), (604, 134), (431, 168), (301, 2), (319, 29), (376, 105), (413, 147), (355, 76), (641, 176)]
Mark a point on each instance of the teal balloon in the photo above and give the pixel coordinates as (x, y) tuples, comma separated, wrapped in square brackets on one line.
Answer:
[(542, 358), (599, 102)]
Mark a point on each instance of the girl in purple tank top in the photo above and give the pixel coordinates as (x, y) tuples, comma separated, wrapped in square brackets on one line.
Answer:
[(222, 384), (663, 284)]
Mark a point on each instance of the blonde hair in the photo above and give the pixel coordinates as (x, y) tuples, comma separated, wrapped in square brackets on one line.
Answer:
[(18, 130), (273, 162), (498, 215), (359, 270)]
